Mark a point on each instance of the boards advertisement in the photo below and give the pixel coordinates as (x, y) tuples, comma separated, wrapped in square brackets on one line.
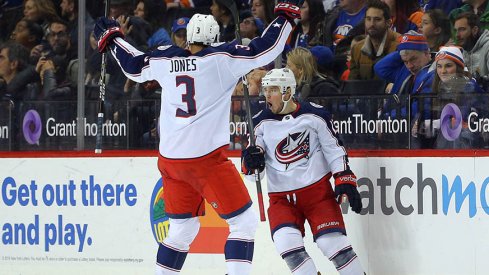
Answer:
[(105, 215)]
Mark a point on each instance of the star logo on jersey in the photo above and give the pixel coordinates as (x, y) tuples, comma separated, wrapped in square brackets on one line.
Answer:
[(277, 25), (293, 148)]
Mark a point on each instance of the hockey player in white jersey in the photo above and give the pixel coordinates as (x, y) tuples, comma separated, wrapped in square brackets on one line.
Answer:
[(197, 86), (300, 150)]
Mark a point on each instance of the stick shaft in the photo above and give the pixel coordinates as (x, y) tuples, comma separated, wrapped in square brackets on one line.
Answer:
[(101, 109), (231, 4)]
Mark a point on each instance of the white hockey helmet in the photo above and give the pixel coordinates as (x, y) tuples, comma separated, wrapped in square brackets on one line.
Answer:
[(283, 78), (202, 29)]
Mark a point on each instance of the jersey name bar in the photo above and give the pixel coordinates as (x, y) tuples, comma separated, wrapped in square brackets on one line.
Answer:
[(183, 65)]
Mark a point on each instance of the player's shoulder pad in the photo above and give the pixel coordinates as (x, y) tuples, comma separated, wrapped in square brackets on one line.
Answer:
[(262, 115), (217, 44), (169, 51), (314, 108), (229, 47), (220, 47)]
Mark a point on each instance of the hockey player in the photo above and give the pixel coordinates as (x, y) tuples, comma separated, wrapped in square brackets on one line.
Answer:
[(298, 146), (195, 101)]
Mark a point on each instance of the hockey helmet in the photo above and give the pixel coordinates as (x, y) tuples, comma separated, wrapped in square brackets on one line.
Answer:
[(202, 29), (283, 78)]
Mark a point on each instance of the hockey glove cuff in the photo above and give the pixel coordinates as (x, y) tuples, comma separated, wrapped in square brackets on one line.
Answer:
[(290, 9), (105, 31), (346, 184)]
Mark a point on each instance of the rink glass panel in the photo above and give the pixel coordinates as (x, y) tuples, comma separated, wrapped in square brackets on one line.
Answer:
[(361, 122)]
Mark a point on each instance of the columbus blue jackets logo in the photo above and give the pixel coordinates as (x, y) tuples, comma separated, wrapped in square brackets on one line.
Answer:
[(293, 148)]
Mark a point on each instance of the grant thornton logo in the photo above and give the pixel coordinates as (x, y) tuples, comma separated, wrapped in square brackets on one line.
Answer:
[(158, 218), (32, 127), (451, 122)]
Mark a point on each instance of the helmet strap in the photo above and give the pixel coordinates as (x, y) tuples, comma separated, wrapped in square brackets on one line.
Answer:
[(285, 103)]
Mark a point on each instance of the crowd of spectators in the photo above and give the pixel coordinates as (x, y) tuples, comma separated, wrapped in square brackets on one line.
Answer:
[(398, 42)]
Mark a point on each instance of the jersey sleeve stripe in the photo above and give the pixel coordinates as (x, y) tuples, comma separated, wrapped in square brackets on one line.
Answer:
[(134, 63)]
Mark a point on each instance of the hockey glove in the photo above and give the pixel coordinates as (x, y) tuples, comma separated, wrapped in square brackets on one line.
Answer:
[(252, 158), (346, 184), (105, 31), (291, 9)]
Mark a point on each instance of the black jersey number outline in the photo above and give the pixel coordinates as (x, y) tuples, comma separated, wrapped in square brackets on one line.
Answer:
[(188, 97)]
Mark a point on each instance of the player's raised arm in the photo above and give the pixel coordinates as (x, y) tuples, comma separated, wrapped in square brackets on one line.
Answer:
[(263, 50), (110, 38)]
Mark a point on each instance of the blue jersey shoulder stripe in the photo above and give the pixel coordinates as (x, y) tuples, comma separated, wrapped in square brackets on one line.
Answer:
[(313, 108)]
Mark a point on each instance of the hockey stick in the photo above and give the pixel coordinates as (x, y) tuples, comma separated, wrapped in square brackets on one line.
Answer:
[(101, 109), (231, 5)]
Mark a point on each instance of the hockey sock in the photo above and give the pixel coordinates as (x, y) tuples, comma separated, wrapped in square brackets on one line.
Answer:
[(347, 262), (169, 260), (239, 254), (337, 248), (353, 268), (299, 262)]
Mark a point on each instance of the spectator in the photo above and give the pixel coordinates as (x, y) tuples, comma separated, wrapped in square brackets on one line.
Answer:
[(225, 19), (263, 9), (10, 13), (312, 12), (339, 21), (450, 63), (407, 65), (453, 84), (92, 77), (14, 58), (177, 4), (343, 55), (406, 15), (475, 43), (18, 77), (379, 42), (27, 33), (179, 32), (435, 26), (324, 59), (253, 79), (445, 5), (478, 7), (40, 11), (153, 12), (310, 82), (55, 65), (69, 13), (407, 68), (329, 4), (120, 7), (250, 27), (137, 30)]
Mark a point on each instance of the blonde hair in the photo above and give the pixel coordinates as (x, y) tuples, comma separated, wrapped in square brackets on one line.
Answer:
[(46, 9), (303, 59)]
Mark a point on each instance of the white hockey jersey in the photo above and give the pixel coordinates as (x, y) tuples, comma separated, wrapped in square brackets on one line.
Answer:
[(197, 89), (300, 148)]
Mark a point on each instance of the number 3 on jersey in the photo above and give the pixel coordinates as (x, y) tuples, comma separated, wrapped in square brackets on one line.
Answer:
[(187, 97)]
